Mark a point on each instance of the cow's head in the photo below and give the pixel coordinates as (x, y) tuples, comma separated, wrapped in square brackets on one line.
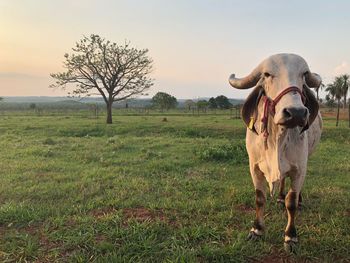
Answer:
[(297, 107)]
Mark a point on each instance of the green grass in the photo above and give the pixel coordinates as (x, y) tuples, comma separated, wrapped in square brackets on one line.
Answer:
[(141, 190)]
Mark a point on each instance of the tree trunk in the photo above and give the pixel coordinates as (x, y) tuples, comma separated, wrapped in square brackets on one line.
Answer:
[(344, 101), (109, 112), (338, 114)]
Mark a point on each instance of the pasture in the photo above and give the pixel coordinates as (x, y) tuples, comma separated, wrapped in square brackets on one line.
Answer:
[(143, 190)]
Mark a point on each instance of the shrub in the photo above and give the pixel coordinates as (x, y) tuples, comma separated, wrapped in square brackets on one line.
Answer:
[(49, 141), (233, 152)]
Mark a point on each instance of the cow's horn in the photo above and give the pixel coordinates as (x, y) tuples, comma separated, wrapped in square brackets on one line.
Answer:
[(313, 80), (246, 82)]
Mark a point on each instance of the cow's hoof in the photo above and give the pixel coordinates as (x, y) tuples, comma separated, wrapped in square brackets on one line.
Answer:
[(281, 201), (300, 206), (290, 246), (253, 236)]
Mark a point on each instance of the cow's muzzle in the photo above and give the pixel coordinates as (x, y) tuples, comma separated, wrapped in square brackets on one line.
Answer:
[(292, 117)]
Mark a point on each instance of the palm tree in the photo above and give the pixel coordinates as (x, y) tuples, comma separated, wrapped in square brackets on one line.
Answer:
[(345, 87), (335, 91), (321, 87)]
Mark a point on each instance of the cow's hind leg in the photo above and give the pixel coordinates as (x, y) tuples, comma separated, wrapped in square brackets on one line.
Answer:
[(300, 201), (260, 200), (281, 195), (290, 234)]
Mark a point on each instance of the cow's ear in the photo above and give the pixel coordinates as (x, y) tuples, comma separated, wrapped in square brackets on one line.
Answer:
[(250, 108), (311, 103)]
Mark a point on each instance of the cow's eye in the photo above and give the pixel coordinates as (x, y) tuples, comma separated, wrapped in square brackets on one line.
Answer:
[(266, 75)]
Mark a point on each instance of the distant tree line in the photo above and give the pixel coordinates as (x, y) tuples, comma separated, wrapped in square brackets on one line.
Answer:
[(337, 92), (165, 101)]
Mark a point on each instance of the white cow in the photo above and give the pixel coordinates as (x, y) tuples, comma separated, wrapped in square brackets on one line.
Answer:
[(283, 127)]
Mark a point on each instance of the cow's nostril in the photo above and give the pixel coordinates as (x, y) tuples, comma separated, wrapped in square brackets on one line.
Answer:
[(294, 116), (305, 113), (287, 113), (298, 113)]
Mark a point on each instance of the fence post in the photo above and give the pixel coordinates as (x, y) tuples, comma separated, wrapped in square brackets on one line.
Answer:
[(96, 111)]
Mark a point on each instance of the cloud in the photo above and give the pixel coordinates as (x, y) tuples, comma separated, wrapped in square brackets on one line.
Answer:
[(17, 75), (343, 68)]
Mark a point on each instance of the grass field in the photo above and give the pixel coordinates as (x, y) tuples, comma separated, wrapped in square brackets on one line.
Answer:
[(142, 190)]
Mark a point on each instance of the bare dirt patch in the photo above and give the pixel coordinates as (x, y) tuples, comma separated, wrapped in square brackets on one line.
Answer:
[(347, 212), (245, 208), (45, 243), (142, 214), (2, 230), (102, 212), (100, 238), (343, 114), (139, 214), (274, 257)]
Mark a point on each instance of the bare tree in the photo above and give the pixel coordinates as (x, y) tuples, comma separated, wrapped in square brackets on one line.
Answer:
[(98, 66)]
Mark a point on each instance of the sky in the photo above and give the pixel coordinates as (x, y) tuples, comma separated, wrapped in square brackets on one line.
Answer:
[(195, 44)]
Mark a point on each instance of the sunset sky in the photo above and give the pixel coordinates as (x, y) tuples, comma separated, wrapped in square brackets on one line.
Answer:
[(195, 44)]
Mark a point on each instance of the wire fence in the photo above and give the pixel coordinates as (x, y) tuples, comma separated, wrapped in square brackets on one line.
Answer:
[(100, 112)]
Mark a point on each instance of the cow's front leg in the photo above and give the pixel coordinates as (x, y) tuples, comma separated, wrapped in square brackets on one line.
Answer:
[(282, 196), (290, 234), (260, 185)]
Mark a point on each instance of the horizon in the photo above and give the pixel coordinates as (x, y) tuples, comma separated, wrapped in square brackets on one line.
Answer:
[(195, 45), (99, 97)]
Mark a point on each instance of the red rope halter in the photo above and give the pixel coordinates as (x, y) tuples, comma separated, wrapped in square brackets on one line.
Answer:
[(270, 107)]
